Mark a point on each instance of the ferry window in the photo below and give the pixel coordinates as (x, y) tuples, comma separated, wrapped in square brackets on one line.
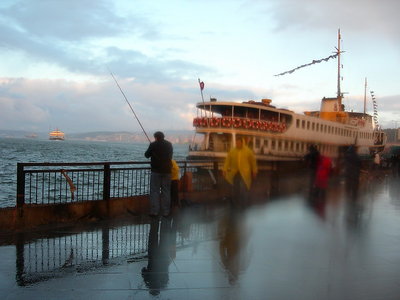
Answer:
[(308, 124), (317, 127), (273, 144), (313, 126), (279, 145), (303, 124), (297, 146), (297, 123), (285, 145), (266, 143), (257, 143)]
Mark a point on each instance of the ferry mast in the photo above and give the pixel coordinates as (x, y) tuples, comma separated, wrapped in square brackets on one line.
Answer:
[(339, 92)]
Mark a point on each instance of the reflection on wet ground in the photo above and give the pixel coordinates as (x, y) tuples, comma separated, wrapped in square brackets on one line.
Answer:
[(286, 247)]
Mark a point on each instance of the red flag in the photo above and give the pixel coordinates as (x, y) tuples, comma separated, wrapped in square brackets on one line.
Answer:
[(201, 85)]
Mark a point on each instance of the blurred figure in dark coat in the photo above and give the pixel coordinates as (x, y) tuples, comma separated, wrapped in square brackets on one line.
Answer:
[(352, 172), (311, 160)]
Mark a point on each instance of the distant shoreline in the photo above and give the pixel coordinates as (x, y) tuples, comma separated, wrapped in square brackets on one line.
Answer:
[(176, 137)]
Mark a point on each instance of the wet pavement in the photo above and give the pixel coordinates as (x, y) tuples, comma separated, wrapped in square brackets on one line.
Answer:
[(278, 248)]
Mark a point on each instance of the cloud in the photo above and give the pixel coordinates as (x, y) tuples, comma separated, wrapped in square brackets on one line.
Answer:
[(65, 20), (132, 63), (369, 17)]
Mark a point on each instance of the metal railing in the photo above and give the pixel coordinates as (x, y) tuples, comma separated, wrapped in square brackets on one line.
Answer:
[(55, 183)]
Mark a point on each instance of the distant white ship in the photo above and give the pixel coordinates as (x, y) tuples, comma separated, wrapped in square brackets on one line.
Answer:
[(57, 135)]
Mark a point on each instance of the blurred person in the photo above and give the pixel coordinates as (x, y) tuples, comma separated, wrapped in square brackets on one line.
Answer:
[(352, 172), (240, 168), (311, 159), (160, 151), (322, 174), (377, 161)]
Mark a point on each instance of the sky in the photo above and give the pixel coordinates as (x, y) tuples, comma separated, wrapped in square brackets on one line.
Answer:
[(57, 57)]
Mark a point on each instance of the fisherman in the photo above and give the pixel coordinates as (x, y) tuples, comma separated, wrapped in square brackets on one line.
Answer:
[(160, 151), (240, 168)]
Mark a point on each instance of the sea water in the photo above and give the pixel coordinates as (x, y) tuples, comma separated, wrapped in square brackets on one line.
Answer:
[(13, 151)]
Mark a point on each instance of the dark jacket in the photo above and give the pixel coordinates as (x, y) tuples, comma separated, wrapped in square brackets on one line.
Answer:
[(161, 154), (353, 165)]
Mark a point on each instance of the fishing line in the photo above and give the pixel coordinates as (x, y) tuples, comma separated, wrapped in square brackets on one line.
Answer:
[(130, 106)]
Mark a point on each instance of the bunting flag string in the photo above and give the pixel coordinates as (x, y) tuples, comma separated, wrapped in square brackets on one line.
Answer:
[(311, 63), (375, 106)]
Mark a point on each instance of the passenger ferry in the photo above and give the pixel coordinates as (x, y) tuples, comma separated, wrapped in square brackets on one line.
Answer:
[(276, 134), (56, 135)]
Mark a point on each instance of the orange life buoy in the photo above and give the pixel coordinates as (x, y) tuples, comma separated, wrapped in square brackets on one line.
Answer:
[(226, 122), (255, 124), (246, 123), (237, 122), (214, 122)]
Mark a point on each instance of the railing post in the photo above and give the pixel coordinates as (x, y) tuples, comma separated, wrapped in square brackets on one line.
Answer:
[(106, 182), (184, 188), (216, 174), (20, 185), (106, 186)]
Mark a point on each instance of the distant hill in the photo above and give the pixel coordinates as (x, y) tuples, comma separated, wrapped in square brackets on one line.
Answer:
[(175, 136), (22, 134)]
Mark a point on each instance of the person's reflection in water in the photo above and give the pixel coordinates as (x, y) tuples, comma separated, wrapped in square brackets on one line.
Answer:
[(233, 245), (161, 251), (354, 215)]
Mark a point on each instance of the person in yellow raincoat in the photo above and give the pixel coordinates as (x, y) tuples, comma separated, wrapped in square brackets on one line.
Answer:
[(240, 168)]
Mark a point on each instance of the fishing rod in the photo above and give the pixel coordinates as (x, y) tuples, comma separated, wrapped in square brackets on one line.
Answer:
[(130, 106)]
